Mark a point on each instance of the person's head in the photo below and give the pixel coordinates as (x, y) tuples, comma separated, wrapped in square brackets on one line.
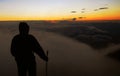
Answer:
[(23, 28)]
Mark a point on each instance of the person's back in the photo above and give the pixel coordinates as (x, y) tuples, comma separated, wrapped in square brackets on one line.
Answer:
[(23, 47)]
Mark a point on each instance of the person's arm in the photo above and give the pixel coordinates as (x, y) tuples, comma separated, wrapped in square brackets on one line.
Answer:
[(12, 49), (41, 53), (39, 50)]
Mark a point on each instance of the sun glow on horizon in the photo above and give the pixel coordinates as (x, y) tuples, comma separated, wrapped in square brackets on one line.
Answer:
[(59, 10)]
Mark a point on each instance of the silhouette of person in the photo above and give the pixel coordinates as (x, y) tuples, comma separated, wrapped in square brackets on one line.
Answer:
[(23, 47)]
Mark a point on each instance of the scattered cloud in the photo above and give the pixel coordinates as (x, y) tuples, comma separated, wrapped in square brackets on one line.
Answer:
[(83, 9), (74, 19), (73, 11), (103, 8), (81, 17), (95, 9)]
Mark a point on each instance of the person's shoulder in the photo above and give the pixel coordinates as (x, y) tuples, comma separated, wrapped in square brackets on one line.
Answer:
[(16, 36), (31, 36)]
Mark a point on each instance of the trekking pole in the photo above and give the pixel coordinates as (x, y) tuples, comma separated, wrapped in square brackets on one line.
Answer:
[(47, 64)]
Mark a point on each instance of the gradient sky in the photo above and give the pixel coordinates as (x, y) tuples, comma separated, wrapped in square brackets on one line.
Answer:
[(59, 9)]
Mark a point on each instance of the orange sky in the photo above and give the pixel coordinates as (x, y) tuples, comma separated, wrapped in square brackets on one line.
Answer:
[(59, 10)]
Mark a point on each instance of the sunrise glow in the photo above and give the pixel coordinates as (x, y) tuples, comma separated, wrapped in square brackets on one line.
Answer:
[(59, 10)]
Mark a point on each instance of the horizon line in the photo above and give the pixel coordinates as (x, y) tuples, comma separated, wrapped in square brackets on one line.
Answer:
[(65, 20)]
